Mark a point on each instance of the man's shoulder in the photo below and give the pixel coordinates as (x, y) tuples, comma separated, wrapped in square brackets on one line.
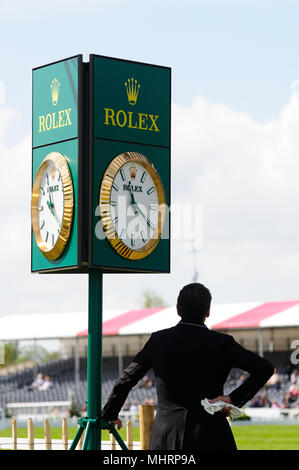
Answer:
[(202, 330)]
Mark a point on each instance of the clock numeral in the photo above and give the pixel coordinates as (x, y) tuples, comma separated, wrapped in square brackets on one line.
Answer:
[(40, 208), (123, 234), (42, 225), (46, 239), (115, 220), (52, 239), (144, 174), (42, 190), (122, 174), (153, 207), (114, 186), (151, 190), (142, 236), (112, 203), (59, 177), (47, 176), (132, 240)]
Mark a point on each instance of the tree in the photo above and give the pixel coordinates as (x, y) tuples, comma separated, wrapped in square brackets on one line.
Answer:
[(150, 298), (11, 353), (36, 353)]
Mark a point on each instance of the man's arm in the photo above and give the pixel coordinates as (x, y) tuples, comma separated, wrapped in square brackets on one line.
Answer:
[(128, 379), (260, 371)]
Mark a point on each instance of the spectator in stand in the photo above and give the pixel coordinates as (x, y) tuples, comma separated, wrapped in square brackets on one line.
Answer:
[(37, 382), (134, 407), (256, 402), (83, 411), (275, 404), (294, 377), (146, 382), (241, 380), (284, 403), (292, 395), (274, 381), (126, 406), (265, 402), (288, 367), (47, 384)]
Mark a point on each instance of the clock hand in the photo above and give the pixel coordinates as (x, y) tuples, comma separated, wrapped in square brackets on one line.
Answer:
[(49, 204), (56, 217), (146, 219), (133, 202), (54, 211)]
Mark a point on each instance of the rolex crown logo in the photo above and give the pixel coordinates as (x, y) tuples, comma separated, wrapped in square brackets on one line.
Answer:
[(55, 91), (133, 171), (132, 87)]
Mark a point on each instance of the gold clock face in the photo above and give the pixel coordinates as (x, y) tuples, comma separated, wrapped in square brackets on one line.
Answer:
[(132, 205), (52, 205)]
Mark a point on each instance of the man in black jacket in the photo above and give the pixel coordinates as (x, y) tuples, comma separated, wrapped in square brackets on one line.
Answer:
[(190, 362)]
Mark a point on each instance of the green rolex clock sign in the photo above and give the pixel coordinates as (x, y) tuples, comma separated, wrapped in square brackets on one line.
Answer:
[(100, 186), (101, 166)]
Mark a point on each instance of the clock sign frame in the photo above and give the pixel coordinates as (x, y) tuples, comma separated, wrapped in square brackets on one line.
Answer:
[(92, 114)]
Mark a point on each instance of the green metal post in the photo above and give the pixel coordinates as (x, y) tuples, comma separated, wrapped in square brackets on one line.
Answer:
[(94, 359)]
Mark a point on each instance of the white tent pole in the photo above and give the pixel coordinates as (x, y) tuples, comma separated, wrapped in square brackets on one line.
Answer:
[(77, 361), (260, 342), (120, 355)]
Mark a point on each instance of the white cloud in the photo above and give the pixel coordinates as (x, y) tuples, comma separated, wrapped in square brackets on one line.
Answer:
[(244, 172)]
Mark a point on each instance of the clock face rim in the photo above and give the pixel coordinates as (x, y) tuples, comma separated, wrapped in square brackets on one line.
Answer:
[(62, 166), (105, 208)]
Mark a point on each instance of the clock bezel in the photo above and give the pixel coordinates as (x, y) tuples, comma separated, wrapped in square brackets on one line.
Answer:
[(60, 161), (105, 207)]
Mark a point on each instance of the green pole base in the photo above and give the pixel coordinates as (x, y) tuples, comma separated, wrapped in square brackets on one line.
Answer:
[(93, 429)]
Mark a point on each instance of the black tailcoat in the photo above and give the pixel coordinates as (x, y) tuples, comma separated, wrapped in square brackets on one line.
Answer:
[(190, 362)]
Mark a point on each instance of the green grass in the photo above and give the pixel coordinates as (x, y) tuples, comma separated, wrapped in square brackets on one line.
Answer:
[(56, 433), (253, 437), (267, 437)]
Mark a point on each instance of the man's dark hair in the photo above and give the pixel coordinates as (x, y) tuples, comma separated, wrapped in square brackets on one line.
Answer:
[(193, 302)]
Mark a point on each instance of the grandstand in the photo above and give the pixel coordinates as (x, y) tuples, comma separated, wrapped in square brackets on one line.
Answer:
[(15, 387), (266, 328)]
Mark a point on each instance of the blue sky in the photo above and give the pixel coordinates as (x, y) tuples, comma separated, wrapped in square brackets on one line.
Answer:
[(240, 52), (234, 65)]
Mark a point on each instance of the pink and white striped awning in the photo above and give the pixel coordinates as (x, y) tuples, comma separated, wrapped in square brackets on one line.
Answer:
[(146, 321), (222, 317)]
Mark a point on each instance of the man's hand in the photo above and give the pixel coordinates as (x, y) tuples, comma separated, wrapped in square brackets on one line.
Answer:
[(226, 399), (118, 423)]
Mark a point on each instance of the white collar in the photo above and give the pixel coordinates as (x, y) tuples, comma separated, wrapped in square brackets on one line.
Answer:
[(192, 324)]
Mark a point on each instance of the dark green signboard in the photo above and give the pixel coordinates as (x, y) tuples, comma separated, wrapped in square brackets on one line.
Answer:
[(130, 110), (56, 241), (131, 101)]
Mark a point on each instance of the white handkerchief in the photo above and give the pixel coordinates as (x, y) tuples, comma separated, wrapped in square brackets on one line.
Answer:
[(218, 405)]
